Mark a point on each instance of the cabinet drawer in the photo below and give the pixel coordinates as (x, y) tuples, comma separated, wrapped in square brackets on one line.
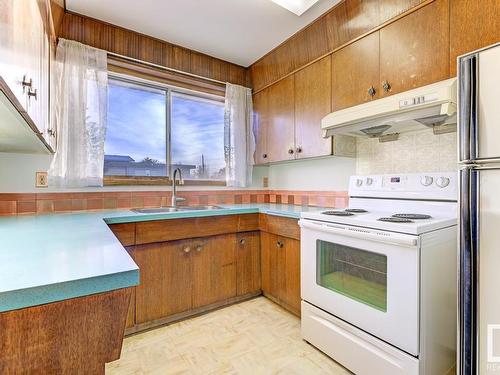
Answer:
[(175, 229), (282, 226)]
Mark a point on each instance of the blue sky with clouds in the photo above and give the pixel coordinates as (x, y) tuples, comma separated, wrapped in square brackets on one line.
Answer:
[(137, 126)]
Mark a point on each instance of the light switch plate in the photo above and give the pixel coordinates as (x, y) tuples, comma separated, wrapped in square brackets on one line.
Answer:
[(265, 182), (42, 180)]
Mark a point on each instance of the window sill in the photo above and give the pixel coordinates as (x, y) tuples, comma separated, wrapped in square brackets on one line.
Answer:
[(155, 181)]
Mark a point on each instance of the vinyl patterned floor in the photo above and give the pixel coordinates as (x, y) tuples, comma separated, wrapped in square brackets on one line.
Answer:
[(254, 337)]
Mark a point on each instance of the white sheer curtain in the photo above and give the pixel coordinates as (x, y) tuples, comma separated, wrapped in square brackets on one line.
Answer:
[(80, 110), (239, 140)]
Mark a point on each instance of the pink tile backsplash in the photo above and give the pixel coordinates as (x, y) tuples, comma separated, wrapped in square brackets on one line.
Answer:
[(29, 203)]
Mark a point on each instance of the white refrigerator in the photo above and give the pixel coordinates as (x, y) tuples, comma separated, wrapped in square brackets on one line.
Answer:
[(479, 256)]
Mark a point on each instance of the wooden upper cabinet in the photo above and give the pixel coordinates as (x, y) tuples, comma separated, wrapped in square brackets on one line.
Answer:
[(414, 50), (474, 24), (312, 102), (261, 119), (247, 263), (166, 280), (214, 269), (281, 127), (355, 70)]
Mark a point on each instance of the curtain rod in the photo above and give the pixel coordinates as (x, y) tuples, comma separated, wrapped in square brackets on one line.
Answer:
[(164, 67)]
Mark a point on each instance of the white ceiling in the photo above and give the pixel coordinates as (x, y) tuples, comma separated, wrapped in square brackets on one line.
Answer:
[(239, 31)]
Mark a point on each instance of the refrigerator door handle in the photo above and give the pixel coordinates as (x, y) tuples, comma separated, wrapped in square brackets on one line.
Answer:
[(467, 99), (468, 293)]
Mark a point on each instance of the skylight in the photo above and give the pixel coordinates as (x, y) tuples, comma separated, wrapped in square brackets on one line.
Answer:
[(296, 6)]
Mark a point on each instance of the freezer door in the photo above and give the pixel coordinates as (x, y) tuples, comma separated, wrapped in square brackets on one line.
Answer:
[(479, 112), (480, 278)]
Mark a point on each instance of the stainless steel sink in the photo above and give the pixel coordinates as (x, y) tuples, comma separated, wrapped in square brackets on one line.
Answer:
[(159, 210)]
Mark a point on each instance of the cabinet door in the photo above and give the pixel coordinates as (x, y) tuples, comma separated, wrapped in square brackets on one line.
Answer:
[(271, 264), (247, 263), (290, 254), (214, 269), (474, 24), (313, 89), (166, 279), (261, 119), (281, 125), (355, 69), (414, 50)]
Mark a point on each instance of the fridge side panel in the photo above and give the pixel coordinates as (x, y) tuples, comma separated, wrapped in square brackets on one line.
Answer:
[(489, 271), (489, 104)]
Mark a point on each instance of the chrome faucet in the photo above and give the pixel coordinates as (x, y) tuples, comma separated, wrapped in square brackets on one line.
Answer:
[(175, 198)]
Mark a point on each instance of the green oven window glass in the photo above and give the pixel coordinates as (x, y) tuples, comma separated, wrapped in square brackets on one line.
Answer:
[(357, 274)]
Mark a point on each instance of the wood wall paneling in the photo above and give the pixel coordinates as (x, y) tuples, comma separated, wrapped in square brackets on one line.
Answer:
[(132, 44), (74, 336), (313, 88), (414, 50), (346, 21), (473, 25)]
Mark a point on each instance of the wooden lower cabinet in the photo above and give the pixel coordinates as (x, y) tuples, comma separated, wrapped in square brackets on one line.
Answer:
[(213, 269), (280, 265), (166, 280), (131, 308), (248, 263)]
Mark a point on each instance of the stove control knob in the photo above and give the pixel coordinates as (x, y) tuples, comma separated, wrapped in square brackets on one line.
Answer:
[(359, 182), (426, 180), (442, 182), (369, 181)]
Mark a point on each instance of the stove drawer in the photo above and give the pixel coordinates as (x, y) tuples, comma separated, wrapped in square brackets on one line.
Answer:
[(358, 351)]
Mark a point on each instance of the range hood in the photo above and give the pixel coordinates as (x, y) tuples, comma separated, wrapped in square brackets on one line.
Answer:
[(433, 106)]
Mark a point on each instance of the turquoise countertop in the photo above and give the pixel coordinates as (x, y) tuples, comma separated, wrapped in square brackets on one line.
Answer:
[(48, 258)]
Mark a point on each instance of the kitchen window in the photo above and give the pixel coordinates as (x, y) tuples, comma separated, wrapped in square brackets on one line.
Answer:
[(153, 129)]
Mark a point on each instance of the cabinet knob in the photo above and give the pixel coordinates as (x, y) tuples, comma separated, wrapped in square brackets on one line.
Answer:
[(32, 93), (264, 156), (242, 241), (298, 150), (290, 151), (386, 86), (199, 248), (279, 244), (187, 249), (372, 91), (26, 84)]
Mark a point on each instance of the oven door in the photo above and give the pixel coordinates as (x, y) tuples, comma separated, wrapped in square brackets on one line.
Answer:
[(366, 277)]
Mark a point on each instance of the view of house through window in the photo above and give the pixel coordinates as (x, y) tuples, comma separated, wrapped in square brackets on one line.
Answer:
[(141, 116)]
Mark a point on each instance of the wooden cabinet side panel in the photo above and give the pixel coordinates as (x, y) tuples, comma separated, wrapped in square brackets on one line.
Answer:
[(248, 273), (124, 232), (355, 69), (74, 336), (166, 280), (414, 50), (214, 269), (312, 102)]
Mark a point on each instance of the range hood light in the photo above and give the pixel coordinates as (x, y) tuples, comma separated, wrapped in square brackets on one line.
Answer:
[(376, 131), (433, 120)]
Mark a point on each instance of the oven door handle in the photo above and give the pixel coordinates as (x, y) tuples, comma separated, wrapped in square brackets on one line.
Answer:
[(361, 233)]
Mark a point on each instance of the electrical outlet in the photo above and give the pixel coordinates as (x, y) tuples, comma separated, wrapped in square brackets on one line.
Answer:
[(42, 180), (265, 182)]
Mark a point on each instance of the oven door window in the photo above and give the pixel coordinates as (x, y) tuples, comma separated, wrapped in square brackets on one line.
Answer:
[(358, 274)]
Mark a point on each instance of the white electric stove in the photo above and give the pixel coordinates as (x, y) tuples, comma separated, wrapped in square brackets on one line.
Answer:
[(378, 279)]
